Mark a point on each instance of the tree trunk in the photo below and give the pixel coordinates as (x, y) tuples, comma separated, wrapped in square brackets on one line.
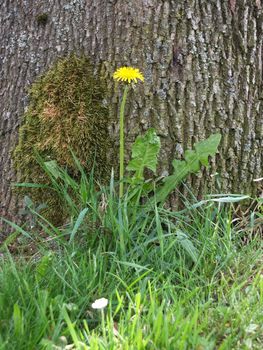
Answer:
[(202, 62)]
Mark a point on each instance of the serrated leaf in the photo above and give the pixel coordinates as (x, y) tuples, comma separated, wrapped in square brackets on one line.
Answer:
[(145, 151), (207, 148), (194, 159), (191, 162)]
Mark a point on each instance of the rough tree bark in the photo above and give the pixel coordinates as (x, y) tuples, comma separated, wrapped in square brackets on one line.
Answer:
[(202, 62)]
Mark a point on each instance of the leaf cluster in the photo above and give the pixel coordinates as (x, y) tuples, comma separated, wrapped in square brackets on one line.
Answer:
[(145, 153)]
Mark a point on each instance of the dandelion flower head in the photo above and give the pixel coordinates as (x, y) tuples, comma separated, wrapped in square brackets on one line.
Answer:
[(128, 74)]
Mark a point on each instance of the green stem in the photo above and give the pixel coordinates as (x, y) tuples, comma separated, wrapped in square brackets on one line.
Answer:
[(122, 110), (103, 324)]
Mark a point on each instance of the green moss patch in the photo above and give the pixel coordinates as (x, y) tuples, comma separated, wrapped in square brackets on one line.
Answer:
[(65, 113)]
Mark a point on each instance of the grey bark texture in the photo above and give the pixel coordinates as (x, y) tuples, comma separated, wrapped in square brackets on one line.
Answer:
[(202, 62)]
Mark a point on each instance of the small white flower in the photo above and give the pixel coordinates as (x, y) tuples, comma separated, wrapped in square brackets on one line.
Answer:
[(100, 303)]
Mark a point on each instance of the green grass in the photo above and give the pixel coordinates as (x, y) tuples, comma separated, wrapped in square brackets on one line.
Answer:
[(205, 293), (174, 280)]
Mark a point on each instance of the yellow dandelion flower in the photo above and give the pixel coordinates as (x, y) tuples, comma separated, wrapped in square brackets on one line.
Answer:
[(128, 74)]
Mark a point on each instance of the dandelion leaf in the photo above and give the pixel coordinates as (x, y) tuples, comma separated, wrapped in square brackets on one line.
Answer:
[(194, 159), (144, 153)]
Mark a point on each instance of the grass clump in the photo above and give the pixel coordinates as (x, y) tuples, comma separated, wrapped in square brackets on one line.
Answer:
[(156, 300), (174, 280)]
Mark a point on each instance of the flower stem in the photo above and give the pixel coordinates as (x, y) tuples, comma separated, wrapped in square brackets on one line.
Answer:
[(103, 325), (122, 110)]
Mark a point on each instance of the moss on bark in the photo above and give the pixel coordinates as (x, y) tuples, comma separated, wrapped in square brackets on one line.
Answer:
[(65, 113)]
